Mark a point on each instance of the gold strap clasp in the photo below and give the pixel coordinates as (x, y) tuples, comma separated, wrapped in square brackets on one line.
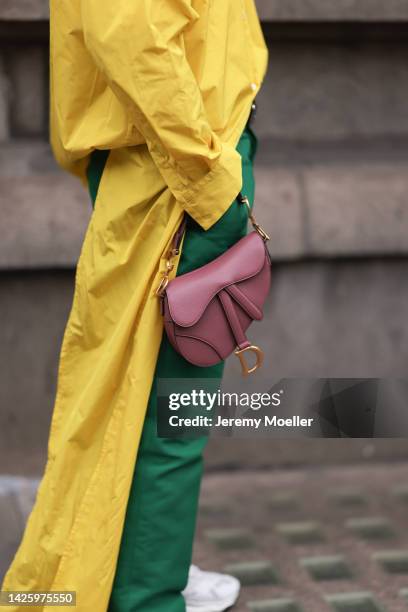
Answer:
[(169, 267), (255, 225)]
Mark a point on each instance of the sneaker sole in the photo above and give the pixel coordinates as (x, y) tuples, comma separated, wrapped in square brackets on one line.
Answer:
[(218, 607)]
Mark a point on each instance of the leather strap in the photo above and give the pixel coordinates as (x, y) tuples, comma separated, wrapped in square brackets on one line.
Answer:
[(178, 236), (233, 320), (250, 308)]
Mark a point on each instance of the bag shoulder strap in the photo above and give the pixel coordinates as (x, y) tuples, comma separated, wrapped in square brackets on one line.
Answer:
[(178, 236)]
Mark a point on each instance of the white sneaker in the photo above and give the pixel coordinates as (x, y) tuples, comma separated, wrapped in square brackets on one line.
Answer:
[(210, 591)]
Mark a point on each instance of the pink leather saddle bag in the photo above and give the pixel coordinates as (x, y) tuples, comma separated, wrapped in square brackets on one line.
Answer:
[(208, 311)]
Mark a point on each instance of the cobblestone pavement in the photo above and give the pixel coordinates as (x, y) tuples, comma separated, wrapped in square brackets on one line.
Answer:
[(312, 540)]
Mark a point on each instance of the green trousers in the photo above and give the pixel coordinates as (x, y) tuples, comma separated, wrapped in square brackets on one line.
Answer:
[(157, 539)]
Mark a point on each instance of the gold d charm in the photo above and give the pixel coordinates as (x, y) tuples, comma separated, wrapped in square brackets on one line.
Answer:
[(259, 359)]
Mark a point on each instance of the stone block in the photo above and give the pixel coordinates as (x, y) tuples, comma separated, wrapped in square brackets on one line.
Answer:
[(269, 10), (34, 310), (11, 526), (26, 494), (45, 211), (354, 602), (24, 10), (315, 326), (327, 567), (393, 561), (279, 206), (401, 493), (10, 518), (341, 10), (305, 216), (404, 594), (360, 211), (215, 508), (284, 501), (27, 66), (253, 572), (4, 103), (274, 605), (333, 93), (228, 538), (340, 319), (302, 532), (252, 453), (371, 528), (342, 209), (347, 497)]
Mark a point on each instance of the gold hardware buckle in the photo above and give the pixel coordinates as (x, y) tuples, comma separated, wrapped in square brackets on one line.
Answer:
[(259, 359), (255, 225)]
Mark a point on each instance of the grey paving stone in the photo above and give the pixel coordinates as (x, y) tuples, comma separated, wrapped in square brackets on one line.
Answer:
[(371, 528), (347, 497), (401, 493), (214, 509), (404, 594), (253, 572), (327, 567), (301, 532), (284, 500), (274, 605), (363, 587), (354, 602), (230, 537), (393, 561)]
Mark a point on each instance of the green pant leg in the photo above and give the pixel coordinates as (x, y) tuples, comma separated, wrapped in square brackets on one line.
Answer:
[(157, 538)]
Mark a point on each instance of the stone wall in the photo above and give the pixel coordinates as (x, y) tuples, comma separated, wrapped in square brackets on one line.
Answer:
[(332, 186)]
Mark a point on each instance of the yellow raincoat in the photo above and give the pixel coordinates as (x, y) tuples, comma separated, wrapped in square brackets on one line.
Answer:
[(167, 86)]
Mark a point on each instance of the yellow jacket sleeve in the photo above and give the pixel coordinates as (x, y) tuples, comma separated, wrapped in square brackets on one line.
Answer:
[(139, 47)]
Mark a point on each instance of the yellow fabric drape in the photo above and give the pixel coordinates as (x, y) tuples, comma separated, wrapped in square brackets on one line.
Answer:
[(167, 85)]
